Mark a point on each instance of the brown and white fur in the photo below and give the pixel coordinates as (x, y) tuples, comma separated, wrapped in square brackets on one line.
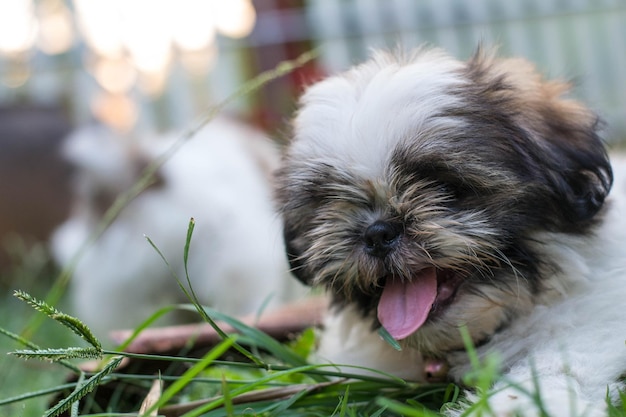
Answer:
[(428, 194)]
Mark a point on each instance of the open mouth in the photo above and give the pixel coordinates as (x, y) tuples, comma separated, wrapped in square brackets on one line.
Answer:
[(405, 305)]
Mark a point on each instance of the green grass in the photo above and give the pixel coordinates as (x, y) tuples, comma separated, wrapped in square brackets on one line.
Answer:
[(278, 380), (268, 378), (33, 273), (265, 378), (248, 373)]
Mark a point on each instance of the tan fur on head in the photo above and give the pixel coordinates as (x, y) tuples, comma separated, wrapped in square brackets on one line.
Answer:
[(536, 101)]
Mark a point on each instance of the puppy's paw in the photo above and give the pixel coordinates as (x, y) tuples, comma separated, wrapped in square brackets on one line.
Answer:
[(511, 402), (519, 402)]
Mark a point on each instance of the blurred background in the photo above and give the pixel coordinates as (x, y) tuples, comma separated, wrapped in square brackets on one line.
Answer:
[(149, 67), (156, 64)]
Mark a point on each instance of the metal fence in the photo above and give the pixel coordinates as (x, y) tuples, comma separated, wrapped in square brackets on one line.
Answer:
[(582, 40)]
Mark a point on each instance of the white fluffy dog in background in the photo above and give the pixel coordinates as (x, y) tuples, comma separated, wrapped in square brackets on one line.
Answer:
[(428, 194), (220, 178)]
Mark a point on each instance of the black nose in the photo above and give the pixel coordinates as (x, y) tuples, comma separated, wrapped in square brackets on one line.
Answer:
[(380, 238)]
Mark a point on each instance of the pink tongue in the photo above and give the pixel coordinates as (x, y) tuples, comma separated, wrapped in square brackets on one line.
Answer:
[(404, 306)]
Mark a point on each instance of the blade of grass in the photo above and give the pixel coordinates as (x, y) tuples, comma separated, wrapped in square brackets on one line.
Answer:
[(200, 310), (405, 409), (277, 349), (35, 394), (274, 394), (382, 332), (33, 346), (323, 370), (56, 355), (190, 228), (75, 404), (191, 295), (72, 323), (191, 373), (146, 323), (85, 389), (344, 402), (452, 393), (228, 401), (218, 402), (281, 406), (259, 382)]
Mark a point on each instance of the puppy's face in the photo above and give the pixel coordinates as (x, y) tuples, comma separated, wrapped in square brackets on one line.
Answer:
[(416, 187)]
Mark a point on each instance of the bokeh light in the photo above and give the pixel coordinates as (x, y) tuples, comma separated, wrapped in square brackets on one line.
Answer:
[(235, 18), (18, 26), (56, 32)]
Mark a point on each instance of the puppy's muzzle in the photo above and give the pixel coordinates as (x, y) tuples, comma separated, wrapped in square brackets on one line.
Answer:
[(381, 237)]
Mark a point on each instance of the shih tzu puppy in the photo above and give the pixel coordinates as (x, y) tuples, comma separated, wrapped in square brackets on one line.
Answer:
[(429, 194), (222, 178)]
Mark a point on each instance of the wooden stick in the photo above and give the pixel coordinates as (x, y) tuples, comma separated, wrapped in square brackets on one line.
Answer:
[(278, 323)]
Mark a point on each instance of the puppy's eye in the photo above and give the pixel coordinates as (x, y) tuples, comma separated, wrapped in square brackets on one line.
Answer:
[(457, 190)]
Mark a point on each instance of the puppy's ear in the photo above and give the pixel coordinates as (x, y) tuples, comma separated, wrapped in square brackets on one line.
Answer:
[(580, 172), (572, 163), (578, 168), (294, 256), (296, 203)]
